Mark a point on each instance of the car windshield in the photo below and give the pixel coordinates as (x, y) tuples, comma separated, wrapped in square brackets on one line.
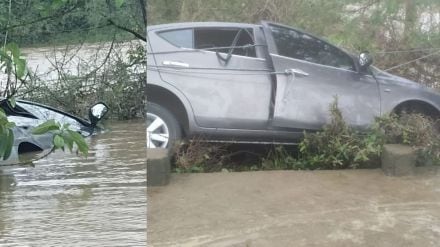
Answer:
[(47, 114)]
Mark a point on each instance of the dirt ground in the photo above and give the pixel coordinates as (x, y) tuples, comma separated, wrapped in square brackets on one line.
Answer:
[(295, 208)]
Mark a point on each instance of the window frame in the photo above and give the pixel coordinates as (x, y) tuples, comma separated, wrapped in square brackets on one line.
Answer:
[(158, 33), (193, 30), (275, 50)]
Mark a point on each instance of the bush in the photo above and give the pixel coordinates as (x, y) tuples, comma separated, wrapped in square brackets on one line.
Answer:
[(279, 158), (118, 81), (416, 130), (199, 156), (338, 146)]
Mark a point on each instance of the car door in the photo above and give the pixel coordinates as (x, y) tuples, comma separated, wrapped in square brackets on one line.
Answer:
[(310, 75), (226, 88)]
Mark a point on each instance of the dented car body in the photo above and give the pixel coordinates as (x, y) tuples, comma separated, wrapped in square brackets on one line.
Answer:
[(262, 83)]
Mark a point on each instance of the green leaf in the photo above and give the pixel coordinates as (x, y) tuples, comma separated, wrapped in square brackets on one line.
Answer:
[(68, 141), (119, 3), (58, 141), (45, 127), (20, 66), (56, 4), (2, 114), (3, 138), (79, 141), (12, 102), (66, 126), (10, 125), (13, 48), (8, 144)]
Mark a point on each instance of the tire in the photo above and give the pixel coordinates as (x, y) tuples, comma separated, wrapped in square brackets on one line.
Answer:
[(163, 130)]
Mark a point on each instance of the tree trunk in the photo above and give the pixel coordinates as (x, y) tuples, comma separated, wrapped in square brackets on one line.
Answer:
[(410, 20)]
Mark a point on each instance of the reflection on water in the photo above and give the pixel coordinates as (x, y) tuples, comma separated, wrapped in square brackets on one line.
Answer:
[(67, 200)]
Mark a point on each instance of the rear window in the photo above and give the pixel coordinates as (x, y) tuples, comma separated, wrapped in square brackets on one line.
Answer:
[(180, 38), (213, 39)]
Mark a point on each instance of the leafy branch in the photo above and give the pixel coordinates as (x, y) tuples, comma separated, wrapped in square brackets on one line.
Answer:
[(6, 136), (63, 136)]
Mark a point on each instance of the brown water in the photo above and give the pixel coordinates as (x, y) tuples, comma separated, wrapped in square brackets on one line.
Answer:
[(67, 200)]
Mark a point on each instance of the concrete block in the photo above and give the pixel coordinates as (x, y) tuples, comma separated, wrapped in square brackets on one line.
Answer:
[(158, 167), (398, 160)]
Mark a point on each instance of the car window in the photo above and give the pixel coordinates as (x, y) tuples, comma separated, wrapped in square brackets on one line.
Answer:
[(213, 38), (216, 38), (294, 44), (180, 38)]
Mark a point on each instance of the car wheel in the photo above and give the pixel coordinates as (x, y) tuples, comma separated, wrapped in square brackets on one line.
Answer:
[(162, 127)]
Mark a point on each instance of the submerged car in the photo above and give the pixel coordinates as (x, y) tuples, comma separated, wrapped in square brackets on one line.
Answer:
[(262, 83), (27, 114)]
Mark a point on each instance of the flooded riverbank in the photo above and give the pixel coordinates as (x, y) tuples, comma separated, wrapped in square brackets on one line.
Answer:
[(67, 200)]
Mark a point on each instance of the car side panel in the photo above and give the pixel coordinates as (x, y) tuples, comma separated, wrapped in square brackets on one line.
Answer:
[(231, 98), (396, 90)]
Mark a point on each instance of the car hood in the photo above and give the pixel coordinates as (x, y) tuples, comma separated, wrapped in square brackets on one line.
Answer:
[(394, 79)]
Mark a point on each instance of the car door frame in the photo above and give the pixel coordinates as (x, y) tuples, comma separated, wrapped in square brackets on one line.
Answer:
[(273, 51), (259, 123)]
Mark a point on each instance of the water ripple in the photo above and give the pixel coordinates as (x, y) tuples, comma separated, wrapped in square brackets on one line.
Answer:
[(67, 200)]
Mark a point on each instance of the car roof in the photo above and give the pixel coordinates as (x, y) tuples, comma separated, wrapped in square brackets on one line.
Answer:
[(200, 24)]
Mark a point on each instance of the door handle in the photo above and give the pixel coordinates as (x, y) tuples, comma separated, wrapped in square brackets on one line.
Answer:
[(296, 72), (175, 63)]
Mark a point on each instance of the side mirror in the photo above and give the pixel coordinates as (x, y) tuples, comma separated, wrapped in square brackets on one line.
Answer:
[(97, 112), (365, 60)]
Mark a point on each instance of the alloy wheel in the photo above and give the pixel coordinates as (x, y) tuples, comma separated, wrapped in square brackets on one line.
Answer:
[(157, 132)]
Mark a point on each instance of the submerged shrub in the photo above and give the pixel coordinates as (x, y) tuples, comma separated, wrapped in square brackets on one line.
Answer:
[(199, 156), (118, 80), (416, 130), (279, 158), (338, 146)]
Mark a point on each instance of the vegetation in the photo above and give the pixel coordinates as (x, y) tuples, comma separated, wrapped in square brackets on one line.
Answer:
[(198, 156), (416, 130), (336, 146), (14, 68), (111, 80), (115, 74), (63, 136), (6, 135), (44, 22)]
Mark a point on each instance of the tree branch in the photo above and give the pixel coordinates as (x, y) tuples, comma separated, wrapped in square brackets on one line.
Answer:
[(137, 35), (144, 11)]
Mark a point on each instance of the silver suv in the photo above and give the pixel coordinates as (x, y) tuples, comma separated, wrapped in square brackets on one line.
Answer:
[(262, 83)]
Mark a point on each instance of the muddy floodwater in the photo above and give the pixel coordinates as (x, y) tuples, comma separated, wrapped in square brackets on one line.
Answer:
[(67, 200)]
